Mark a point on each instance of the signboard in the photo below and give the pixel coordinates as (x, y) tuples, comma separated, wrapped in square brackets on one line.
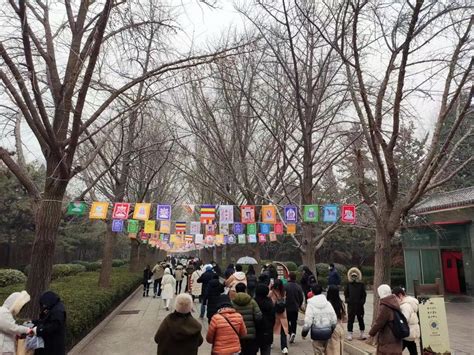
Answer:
[(434, 326)]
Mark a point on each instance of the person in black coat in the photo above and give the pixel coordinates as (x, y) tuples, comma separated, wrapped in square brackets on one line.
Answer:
[(204, 279), (294, 300), (51, 325), (251, 281), (307, 279), (214, 290), (355, 296), (147, 275), (265, 326), (333, 277)]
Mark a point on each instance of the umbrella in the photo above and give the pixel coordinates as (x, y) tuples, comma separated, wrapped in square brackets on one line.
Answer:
[(247, 260)]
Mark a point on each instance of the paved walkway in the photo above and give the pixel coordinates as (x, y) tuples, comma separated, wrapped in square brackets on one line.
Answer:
[(130, 329)]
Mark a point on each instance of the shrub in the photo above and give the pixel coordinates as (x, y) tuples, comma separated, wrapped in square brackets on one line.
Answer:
[(62, 270), (291, 266), (119, 262), (11, 276)]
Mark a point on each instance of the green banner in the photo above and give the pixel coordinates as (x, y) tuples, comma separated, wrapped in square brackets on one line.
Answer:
[(310, 213), (252, 228), (76, 208), (132, 226)]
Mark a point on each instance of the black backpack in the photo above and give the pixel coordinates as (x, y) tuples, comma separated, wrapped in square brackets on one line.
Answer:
[(399, 325), (280, 305)]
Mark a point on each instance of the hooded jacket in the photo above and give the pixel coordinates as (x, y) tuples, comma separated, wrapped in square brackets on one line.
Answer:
[(354, 293), (8, 327), (51, 325), (387, 342), (409, 308), (250, 311), (235, 278), (168, 283), (319, 312), (214, 291), (265, 327), (179, 334), (224, 339), (158, 271)]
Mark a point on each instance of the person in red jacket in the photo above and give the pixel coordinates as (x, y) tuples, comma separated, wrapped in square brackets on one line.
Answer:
[(226, 328)]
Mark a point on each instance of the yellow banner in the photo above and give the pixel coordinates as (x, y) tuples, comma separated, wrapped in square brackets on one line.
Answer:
[(142, 211), (165, 227), (99, 210), (291, 228), (269, 214), (150, 227), (434, 326)]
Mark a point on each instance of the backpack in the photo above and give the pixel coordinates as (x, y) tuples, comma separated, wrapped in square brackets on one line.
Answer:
[(399, 325), (280, 306)]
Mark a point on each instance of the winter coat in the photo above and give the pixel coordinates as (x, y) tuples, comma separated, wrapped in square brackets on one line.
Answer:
[(265, 327), (334, 278), (51, 325), (306, 281), (179, 273), (294, 296), (158, 271), (409, 307), (320, 313), (168, 284), (228, 272), (196, 287), (250, 311), (8, 327), (147, 275), (251, 282), (233, 280), (222, 336), (354, 292), (179, 334), (281, 320), (387, 343), (204, 279), (214, 290)]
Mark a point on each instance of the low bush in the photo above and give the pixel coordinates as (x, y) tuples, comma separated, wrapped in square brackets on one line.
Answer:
[(291, 266), (11, 276), (119, 262), (63, 270)]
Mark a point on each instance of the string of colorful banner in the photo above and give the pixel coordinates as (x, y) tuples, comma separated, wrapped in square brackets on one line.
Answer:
[(243, 231)]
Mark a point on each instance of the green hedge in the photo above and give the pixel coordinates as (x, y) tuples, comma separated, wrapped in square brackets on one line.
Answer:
[(291, 266), (10, 277), (89, 265), (86, 304)]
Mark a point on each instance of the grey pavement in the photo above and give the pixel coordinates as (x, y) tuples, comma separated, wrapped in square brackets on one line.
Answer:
[(130, 330)]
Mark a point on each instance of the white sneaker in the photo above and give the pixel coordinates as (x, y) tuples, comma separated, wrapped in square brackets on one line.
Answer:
[(285, 351), (349, 336), (362, 335), (292, 338)]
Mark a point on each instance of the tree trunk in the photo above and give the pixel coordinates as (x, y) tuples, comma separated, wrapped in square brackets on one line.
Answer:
[(134, 256), (48, 217), (106, 267), (309, 260), (219, 251), (307, 256)]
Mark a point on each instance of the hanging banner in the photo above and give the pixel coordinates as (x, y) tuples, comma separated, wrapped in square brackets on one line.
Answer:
[(219, 239), (262, 238), (195, 228), (434, 325), (264, 228), (165, 237), (142, 211), (224, 228), (242, 239), (269, 214), (278, 228), (231, 239), (310, 213), (226, 214), (291, 228), (99, 210), (348, 214), (330, 213), (210, 240), (121, 210), (208, 214), (117, 225), (252, 228), (252, 238), (199, 238), (163, 212), (247, 214), (165, 227), (290, 214), (273, 237), (238, 228), (188, 239), (180, 227), (210, 229), (150, 226), (76, 208)]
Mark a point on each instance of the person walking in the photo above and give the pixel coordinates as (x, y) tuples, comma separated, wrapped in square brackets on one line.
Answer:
[(387, 342), (278, 297), (229, 271), (355, 296), (204, 279), (251, 281), (214, 291), (333, 277), (196, 287), (147, 280), (265, 327), (335, 345), (294, 301), (307, 279), (158, 272), (179, 333), (168, 283), (8, 327), (51, 325), (225, 329), (237, 277), (250, 311), (409, 307), (216, 268), (179, 276), (320, 319)]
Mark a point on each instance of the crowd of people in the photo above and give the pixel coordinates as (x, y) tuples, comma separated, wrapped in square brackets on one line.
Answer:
[(248, 313)]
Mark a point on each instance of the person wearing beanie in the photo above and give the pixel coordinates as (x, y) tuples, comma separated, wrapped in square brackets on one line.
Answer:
[(168, 283), (387, 343), (355, 296), (179, 333), (225, 329), (265, 327)]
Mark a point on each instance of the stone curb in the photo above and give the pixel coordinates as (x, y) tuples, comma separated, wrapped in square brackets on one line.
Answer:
[(76, 350), (358, 348)]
